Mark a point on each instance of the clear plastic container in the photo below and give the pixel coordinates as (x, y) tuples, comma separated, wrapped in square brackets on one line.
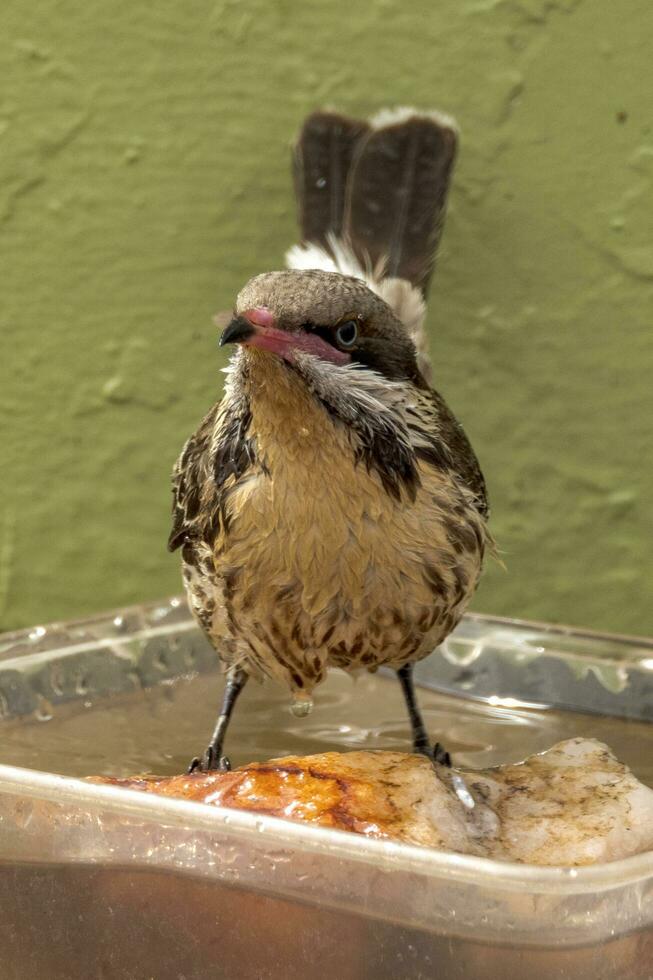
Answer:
[(100, 882)]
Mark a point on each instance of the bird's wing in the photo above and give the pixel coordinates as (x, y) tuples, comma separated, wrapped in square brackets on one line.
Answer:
[(439, 439), (212, 461)]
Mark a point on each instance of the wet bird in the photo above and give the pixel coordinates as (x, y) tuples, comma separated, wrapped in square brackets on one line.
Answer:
[(329, 509)]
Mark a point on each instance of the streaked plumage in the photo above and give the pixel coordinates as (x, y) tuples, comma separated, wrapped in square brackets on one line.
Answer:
[(330, 509)]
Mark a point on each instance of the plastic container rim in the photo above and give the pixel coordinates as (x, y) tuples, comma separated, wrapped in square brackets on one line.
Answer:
[(384, 855)]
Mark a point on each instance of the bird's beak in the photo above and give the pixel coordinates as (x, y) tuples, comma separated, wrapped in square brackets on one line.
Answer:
[(250, 327), (238, 331)]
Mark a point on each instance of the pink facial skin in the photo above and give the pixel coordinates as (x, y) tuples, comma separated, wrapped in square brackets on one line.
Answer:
[(270, 338)]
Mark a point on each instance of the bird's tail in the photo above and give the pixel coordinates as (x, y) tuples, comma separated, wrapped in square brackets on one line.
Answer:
[(372, 197)]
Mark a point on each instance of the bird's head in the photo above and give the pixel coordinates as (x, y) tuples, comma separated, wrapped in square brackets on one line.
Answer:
[(313, 342), (317, 321)]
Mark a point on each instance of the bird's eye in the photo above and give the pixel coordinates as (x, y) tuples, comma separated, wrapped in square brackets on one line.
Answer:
[(347, 333)]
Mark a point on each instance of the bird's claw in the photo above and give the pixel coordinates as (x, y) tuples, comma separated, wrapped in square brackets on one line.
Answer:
[(438, 755), (210, 762), (441, 756)]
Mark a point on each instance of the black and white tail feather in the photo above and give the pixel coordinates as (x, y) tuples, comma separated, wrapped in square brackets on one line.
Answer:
[(372, 198)]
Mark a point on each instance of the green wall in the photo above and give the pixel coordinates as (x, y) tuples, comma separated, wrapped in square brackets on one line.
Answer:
[(144, 176)]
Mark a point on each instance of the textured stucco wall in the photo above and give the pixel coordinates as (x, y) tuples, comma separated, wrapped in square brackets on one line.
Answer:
[(144, 176)]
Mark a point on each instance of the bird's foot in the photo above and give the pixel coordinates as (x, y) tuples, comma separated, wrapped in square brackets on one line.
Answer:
[(438, 754), (210, 762), (441, 756)]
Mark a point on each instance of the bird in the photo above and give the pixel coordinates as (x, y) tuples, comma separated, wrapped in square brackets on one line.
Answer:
[(329, 508)]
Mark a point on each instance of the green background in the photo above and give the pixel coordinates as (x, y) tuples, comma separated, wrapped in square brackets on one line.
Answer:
[(144, 175)]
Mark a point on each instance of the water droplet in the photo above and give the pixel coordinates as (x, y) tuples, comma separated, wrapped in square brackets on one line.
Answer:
[(462, 792), (301, 707), (23, 812)]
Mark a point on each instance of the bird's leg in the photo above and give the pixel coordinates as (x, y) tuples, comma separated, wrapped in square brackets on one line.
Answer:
[(421, 744), (213, 757)]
